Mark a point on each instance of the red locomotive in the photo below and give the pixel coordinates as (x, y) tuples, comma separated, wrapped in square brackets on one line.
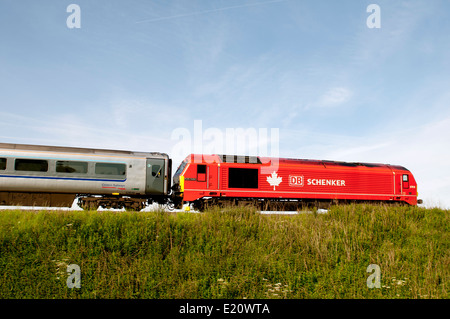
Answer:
[(204, 180)]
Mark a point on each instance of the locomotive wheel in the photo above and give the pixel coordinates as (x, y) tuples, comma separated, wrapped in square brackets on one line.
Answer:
[(199, 205)]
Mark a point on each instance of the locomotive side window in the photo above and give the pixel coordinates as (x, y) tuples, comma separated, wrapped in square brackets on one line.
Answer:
[(2, 164), (71, 167), (243, 177), (201, 169), (31, 165), (110, 169), (201, 173)]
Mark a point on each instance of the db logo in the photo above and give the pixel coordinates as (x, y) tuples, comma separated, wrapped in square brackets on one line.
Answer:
[(295, 180)]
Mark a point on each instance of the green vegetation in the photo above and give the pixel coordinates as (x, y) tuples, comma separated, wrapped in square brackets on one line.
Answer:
[(236, 253)]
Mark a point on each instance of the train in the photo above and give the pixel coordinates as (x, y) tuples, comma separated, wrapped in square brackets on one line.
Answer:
[(35, 175), (56, 176)]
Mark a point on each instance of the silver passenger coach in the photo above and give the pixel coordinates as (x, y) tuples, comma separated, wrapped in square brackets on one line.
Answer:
[(55, 176)]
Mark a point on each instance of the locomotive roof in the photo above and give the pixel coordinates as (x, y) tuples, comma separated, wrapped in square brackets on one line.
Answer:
[(66, 149), (260, 160)]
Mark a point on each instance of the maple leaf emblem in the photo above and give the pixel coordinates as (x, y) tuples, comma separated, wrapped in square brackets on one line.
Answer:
[(274, 179)]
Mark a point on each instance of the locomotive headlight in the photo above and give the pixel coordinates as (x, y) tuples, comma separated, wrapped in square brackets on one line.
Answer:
[(182, 184)]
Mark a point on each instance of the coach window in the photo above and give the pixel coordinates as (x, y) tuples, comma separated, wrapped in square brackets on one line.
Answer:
[(71, 167), (2, 164), (31, 165), (110, 169), (156, 171)]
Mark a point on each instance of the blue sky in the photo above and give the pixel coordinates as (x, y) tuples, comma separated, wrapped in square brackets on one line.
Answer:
[(138, 70)]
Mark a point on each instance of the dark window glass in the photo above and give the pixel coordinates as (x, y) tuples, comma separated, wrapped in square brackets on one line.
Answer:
[(181, 168), (405, 178), (31, 165), (201, 169), (201, 173), (156, 170), (71, 167), (110, 169), (2, 163), (243, 178)]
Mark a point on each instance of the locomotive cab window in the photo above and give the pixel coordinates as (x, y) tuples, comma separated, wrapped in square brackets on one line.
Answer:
[(71, 167), (201, 173), (242, 177), (110, 169), (2, 164), (31, 165), (181, 167)]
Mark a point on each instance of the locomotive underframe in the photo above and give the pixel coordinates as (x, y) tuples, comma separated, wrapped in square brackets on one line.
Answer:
[(279, 204)]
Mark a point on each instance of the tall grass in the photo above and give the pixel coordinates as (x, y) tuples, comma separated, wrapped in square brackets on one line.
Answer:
[(231, 253)]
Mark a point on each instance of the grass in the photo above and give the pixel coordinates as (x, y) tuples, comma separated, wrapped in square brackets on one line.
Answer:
[(236, 253)]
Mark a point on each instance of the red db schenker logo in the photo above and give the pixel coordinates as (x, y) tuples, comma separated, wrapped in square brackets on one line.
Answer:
[(295, 180)]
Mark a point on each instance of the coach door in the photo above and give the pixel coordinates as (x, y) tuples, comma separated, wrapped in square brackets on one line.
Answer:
[(154, 183)]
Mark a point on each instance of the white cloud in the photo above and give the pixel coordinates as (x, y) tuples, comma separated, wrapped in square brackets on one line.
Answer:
[(135, 125), (335, 97)]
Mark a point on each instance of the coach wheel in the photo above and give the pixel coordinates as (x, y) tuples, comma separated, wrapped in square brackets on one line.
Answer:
[(90, 206), (133, 207), (170, 206)]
